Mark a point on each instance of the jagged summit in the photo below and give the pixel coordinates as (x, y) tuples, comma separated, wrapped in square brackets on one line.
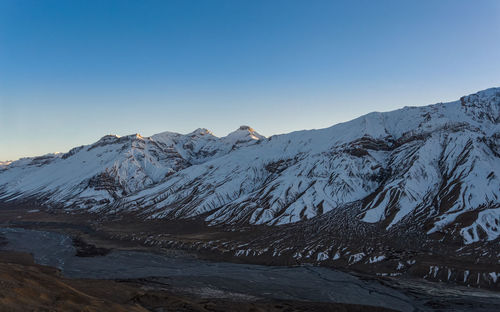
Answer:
[(483, 105), (245, 133), (250, 129), (200, 131), (108, 138)]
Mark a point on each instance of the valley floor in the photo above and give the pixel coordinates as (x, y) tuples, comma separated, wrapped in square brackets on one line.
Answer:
[(38, 287), (30, 287)]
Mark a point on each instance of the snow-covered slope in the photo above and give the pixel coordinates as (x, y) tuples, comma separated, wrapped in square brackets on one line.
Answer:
[(432, 163), (96, 175), (436, 166)]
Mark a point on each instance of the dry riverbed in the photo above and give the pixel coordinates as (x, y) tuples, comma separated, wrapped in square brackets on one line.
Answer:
[(100, 238)]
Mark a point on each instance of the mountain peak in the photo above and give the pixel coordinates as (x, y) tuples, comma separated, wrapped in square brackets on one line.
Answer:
[(108, 139), (244, 133), (243, 128), (483, 104), (200, 131)]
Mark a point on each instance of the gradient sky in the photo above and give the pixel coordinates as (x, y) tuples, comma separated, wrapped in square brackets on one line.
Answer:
[(73, 71)]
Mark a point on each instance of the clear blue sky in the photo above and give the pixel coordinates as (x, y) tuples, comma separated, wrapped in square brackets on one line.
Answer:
[(73, 71)]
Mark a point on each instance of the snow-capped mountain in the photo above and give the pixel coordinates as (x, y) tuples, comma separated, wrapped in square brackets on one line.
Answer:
[(434, 166), (96, 175), (438, 164), (201, 145)]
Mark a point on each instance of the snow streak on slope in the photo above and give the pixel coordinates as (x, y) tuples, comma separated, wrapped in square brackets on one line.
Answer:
[(437, 166)]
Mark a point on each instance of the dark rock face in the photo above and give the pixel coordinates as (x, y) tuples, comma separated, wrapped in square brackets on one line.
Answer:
[(84, 249)]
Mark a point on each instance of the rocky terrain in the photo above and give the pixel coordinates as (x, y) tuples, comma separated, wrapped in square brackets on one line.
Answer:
[(409, 192)]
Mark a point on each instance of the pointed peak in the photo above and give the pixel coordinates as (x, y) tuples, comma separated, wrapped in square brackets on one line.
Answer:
[(135, 136), (246, 132), (200, 131), (248, 128)]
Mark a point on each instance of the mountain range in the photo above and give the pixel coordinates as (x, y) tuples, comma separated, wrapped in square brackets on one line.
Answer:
[(430, 170)]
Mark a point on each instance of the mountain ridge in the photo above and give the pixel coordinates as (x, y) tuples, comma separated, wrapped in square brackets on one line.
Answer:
[(424, 163)]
